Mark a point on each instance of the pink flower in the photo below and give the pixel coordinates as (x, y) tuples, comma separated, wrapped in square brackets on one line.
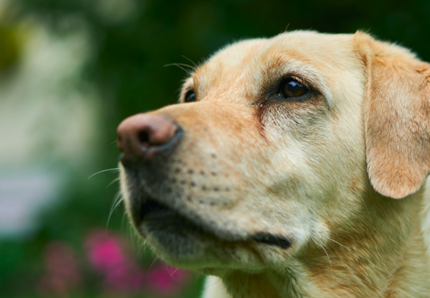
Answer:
[(110, 257), (167, 281), (62, 274), (104, 253)]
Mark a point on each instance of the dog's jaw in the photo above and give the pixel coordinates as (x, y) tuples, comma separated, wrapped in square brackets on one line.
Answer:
[(200, 238), (347, 266)]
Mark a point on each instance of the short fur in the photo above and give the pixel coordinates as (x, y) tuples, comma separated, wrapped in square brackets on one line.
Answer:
[(326, 172)]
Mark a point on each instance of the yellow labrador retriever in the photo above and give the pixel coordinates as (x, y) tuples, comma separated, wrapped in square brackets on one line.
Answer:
[(292, 167)]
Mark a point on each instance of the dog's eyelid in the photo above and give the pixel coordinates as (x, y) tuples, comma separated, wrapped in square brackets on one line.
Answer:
[(188, 84), (293, 88), (272, 87), (187, 87), (305, 73), (315, 85), (190, 95), (304, 80)]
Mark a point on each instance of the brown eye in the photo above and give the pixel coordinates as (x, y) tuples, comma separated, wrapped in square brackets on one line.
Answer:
[(292, 88), (190, 96)]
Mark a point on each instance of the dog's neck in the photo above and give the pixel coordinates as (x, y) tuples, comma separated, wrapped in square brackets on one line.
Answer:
[(381, 254)]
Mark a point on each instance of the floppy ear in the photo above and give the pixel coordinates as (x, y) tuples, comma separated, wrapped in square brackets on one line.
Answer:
[(396, 117)]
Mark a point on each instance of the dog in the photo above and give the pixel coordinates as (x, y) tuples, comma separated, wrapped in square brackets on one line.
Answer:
[(293, 166)]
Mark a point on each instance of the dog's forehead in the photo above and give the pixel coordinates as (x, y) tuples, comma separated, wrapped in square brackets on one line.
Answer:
[(242, 65), (306, 45), (236, 55)]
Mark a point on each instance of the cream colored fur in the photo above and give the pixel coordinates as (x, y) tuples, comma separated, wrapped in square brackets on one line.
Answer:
[(340, 173)]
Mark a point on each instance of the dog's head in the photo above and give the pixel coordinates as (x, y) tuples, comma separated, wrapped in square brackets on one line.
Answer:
[(275, 145)]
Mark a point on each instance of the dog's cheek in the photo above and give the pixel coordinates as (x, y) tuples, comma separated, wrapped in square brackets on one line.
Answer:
[(299, 120)]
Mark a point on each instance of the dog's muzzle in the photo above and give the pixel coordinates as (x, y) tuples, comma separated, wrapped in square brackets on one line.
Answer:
[(158, 204)]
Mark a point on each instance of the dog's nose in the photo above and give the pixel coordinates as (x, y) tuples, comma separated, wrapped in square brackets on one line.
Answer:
[(142, 136)]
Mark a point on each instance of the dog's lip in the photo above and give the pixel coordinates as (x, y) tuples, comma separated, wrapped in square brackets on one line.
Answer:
[(153, 211)]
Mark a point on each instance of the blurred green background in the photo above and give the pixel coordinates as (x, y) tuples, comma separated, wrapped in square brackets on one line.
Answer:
[(70, 70)]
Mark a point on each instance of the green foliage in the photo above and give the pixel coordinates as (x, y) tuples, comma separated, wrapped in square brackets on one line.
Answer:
[(129, 54), (10, 45)]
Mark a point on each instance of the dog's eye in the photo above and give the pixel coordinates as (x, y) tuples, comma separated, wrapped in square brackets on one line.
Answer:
[(292, 88), (190, 96)]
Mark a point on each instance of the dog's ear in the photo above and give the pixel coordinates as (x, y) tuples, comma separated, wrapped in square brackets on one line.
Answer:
[(396, 117)]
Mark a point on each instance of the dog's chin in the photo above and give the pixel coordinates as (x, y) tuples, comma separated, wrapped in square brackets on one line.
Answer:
[(183, 242), (170, 233), (175, 238)]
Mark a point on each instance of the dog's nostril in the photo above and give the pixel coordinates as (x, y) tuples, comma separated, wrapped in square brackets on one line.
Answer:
[(144, 137)]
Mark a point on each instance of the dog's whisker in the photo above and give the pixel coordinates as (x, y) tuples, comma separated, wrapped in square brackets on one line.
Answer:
[(174, 271), (364, 203), (140, 248), (133, 237), (103, 171), (113, 181), (138, 243), (339, 243), (325, 251), (124, 216), (328, 257), (195, 64), (152, 263), (179, 65), (130, 231), (351, 250), (118, 199)]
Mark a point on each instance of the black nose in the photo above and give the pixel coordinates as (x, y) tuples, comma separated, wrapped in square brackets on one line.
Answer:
[(143, 136)]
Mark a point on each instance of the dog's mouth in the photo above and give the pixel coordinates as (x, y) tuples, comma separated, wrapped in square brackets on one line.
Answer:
[(155, 217)]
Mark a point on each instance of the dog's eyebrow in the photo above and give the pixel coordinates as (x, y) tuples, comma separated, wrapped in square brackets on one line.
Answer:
[(280, 67), (186, 86)]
